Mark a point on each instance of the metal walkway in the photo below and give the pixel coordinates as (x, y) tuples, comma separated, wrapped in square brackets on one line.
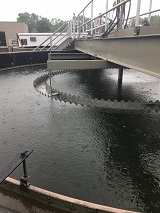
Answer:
[(136, 52), (109, 38)]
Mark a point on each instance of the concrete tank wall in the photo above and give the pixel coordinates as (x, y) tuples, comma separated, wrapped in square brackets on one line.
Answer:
[(22, 58)]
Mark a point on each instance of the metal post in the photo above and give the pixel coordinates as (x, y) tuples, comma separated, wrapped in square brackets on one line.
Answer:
[(138, 13), (150, 8), (50, 44), (91, 18), (83, 23), (121, 15), (120, 75), (73, 25), (106, 21), (86, 27), (118, 15), (24, 179), (25, 169), (70, 28), (78, 27), (50, 80)]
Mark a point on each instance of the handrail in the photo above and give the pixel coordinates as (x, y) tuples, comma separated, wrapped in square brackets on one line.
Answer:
[(112, 9), (143, 14), (85, 7), (109, 25), (82, 25), (57, 37), (58, 41), (13, 164), (51, 35)]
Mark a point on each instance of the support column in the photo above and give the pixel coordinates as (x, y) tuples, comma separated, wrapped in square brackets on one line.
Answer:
[(119, 87), (120, 75), (50, 81)]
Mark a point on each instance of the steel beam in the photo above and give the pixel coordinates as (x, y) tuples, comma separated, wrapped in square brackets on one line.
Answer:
[(69, 56), (60, 202), (136, 52), (76, 64)]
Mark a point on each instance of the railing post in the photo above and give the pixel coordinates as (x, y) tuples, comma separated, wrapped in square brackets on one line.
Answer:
[(77, 26), (138, 13), (50, 81), (73, 25), (121, 14), (106, 21), (50, 44), (24, 179), (70, 28), (91, 18), (83, 23), (150, 8), (25, 169)]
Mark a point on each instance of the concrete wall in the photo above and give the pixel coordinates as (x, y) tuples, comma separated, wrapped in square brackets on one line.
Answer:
[(11, 28), (22, 58)]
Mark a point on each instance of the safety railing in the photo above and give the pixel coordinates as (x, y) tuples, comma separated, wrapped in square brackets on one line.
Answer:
[(139, 15), (12, 165), (52, 37), (106, 21), (66, 35), (100, 23)]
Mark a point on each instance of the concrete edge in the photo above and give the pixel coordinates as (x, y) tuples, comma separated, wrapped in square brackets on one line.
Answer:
[(59, 200)]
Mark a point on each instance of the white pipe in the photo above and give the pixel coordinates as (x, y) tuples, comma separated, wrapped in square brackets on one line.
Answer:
[(138, 12), (150, 8)]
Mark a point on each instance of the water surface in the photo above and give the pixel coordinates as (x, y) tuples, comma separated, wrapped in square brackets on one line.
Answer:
[(83, 152)]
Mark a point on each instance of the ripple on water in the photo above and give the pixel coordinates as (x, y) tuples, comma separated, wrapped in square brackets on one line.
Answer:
[(82, 152)]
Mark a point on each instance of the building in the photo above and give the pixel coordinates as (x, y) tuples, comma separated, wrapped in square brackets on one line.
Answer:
[(11, 29)]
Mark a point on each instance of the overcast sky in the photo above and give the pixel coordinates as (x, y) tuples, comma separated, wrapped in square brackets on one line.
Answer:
[(62, 9)]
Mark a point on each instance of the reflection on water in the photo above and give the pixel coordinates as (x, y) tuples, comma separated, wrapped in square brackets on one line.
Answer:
[(83, 152)]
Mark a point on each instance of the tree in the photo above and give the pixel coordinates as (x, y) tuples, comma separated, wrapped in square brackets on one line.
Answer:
[(39, 24), (57, 23), (29, 19), (43, 25), (154, 20)]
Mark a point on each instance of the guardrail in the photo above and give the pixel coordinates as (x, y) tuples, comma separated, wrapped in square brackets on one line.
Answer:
[(109, 21), (54, 34), (94, 25), (12, 165), (101, 23)]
